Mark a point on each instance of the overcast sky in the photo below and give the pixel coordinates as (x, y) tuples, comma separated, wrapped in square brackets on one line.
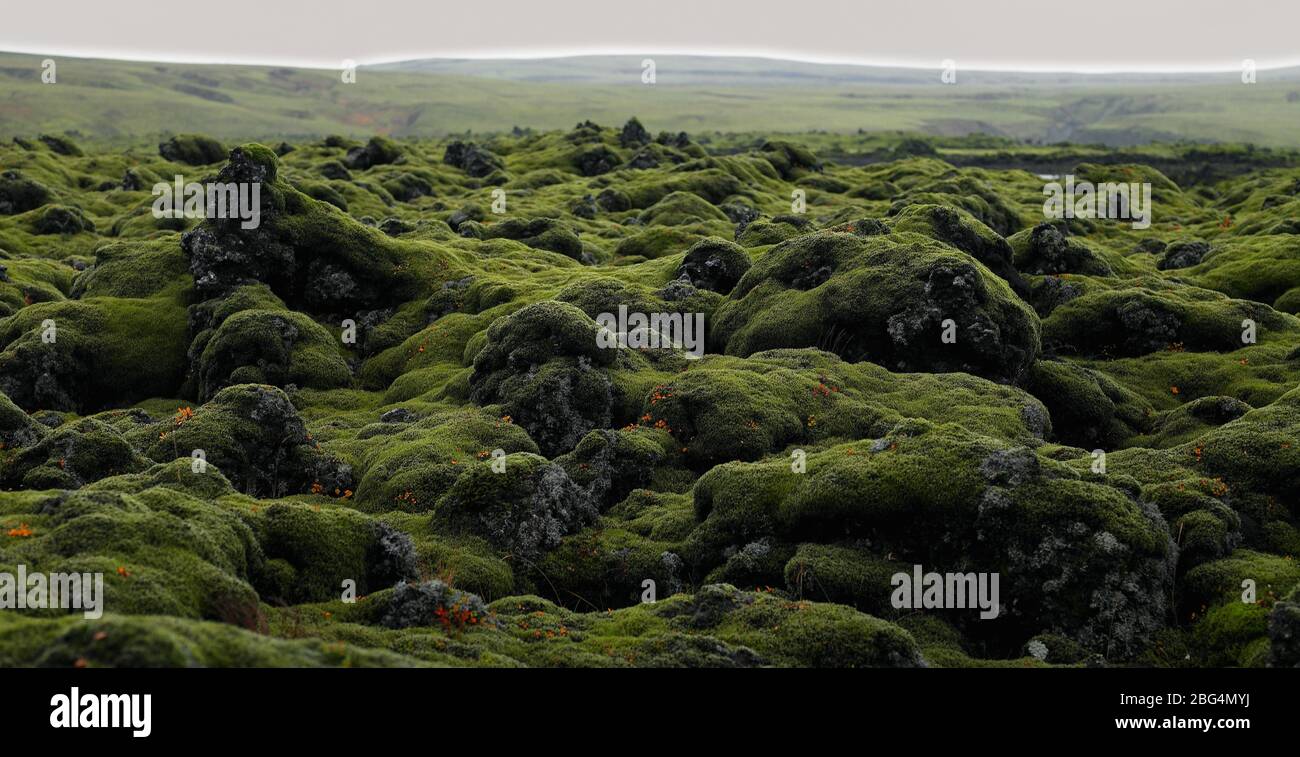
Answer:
[(1073, 35)]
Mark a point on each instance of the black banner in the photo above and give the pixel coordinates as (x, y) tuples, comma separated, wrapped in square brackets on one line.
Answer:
[(334, 707)]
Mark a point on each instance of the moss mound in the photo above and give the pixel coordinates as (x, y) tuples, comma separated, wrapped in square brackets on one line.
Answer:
[(885, 299)]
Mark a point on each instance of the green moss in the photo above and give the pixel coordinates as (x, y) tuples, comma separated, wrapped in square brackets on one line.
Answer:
[(408, 467), (192, 149), (654, 243), (136, 270), (606, 567), (17, 428), (726, 408), (842, 575), (161, 551), (886, 491), (523, 510), (770, 232), (797, 465), (1088, 409), (321, 548), (273, 347), (1229, 636), (92, 352), (202, 481), (960, 229), (61, 219), (159, 641), (808, 634), (254, 436), (19, 194), (325, 193), (680, 209), (1118, 323), (1188, 422), (72, 455), (883, 298), (27, 281), (1220, 581)]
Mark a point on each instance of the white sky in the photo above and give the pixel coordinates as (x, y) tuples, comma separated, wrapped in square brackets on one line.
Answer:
[(1074, 35)]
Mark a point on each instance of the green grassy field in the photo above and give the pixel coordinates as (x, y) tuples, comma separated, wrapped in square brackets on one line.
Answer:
[(114, 100)]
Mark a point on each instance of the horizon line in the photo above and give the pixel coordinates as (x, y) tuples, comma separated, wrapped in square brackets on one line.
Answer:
[(553, 54)]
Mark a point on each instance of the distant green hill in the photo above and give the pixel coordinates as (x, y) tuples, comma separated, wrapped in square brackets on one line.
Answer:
[(120, 100)]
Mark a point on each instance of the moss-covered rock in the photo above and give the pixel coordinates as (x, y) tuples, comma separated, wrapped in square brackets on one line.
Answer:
[(714, 264), (799, 633), (1127, 322), (610, 464), (960, 229), (789, 159), (474, 160), (410, 466), (89, 354), (1046, 250), (539, 233), (544, 366), (19, 194), (524, 510), (311, 553), (1086, 555), (161, 551), (843, 575), (1088, 409), (72, 455), (902, 302), (307, 252), (377, 151), (255, 436), (62, 145), (62, 219), (17, 428), (680, 209), (269, 347), (192, 149)]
